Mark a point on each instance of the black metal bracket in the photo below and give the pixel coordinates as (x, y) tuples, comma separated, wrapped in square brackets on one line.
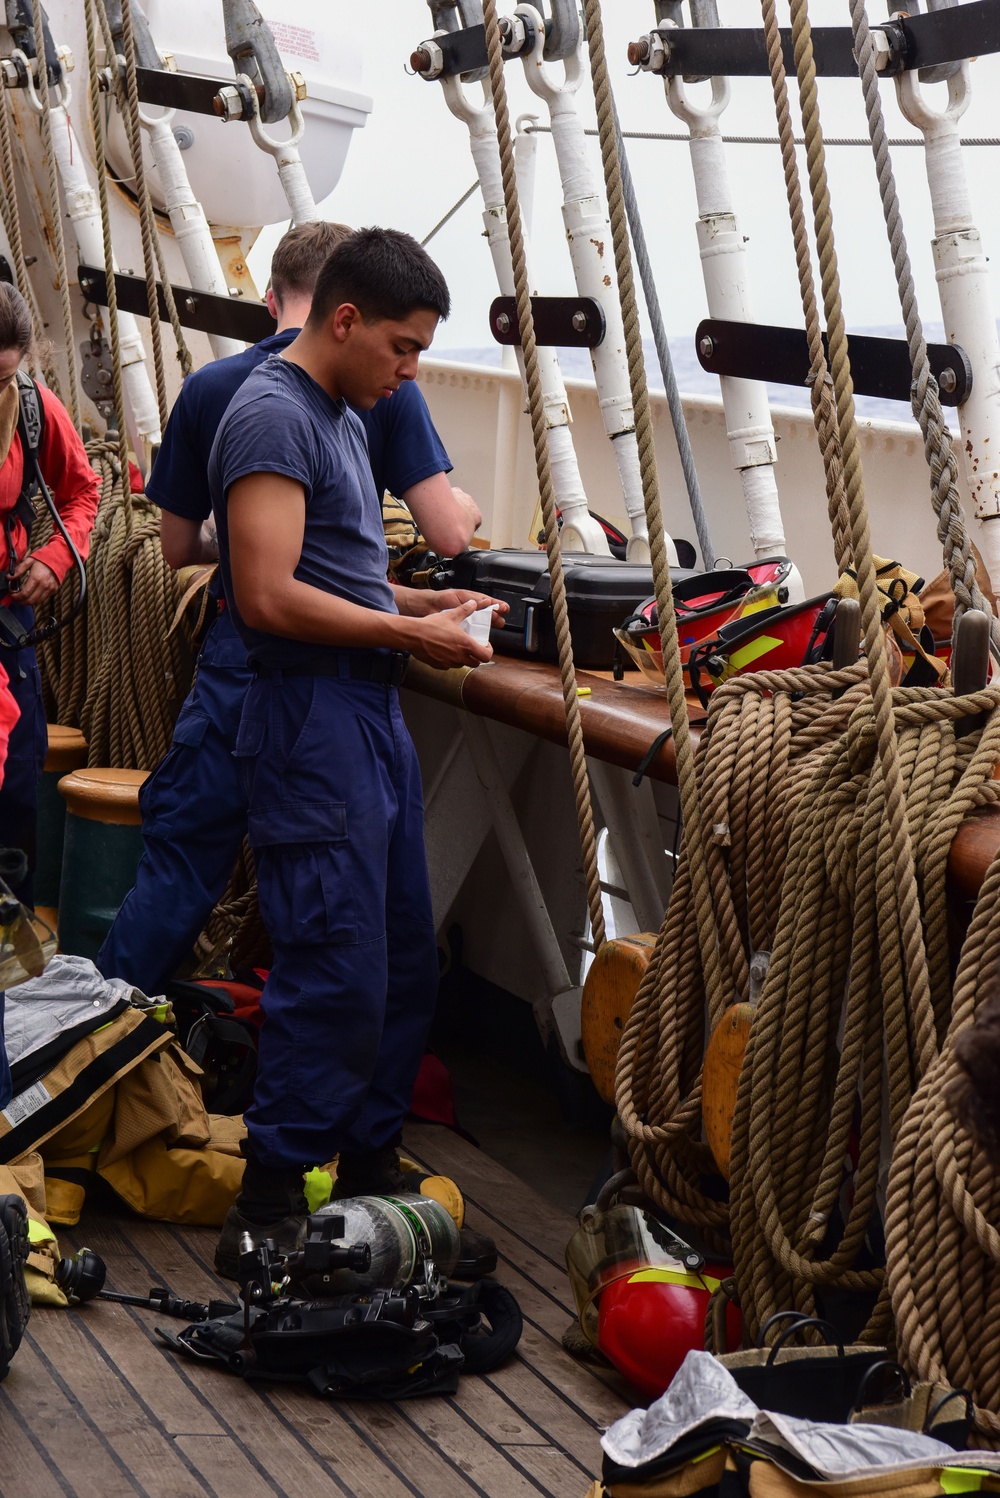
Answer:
[(183, 90), (918, 41), (228, 317), (560, 321), (879, 366)]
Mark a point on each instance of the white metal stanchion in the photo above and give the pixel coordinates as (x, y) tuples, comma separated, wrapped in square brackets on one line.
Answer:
[(580, 530), (963, 279), (588, 232), (724, 268), (84, 211)]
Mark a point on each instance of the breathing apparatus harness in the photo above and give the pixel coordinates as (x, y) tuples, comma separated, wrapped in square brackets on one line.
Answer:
[(31, 430), (371, 1341)]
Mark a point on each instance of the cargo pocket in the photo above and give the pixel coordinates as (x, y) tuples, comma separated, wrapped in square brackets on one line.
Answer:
[(176, 778), (307, 893)]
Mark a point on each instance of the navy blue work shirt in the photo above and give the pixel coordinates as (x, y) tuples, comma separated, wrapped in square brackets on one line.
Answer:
[(403, 447), (281, 421)]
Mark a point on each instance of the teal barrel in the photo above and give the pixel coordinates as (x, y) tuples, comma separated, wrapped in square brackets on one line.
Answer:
[(67, 751), (101, 851)]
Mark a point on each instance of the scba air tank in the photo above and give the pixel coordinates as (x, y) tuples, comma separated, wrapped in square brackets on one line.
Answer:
[(403, 1232)]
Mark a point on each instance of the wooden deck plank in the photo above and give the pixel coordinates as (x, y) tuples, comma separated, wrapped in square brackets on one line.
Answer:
[(226, 1469), (112, 1413), (129, 1425), (554, 1472), (25, 1465), (281, 1456), (514, 1423), (347, 1448), (433, 1470), (74, 1444), (442, 1428)]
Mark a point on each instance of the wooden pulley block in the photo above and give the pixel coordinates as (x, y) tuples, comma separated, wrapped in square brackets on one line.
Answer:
[(720, 1079), (608, 995)]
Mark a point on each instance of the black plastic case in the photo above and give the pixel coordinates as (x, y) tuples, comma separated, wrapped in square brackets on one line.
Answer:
[(601, 594)]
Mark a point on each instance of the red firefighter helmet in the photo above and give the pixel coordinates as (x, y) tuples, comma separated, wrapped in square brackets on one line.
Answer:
[(642, 1294), (703, 604), (771, 639)]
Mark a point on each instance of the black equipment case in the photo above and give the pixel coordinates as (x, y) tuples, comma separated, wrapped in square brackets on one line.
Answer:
[(601, 593)]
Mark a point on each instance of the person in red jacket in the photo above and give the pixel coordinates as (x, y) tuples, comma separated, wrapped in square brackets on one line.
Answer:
[(29, 578)]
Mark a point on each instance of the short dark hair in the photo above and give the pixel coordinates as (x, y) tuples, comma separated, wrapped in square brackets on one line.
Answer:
[(384, 273), (16, 329), (300, 255)]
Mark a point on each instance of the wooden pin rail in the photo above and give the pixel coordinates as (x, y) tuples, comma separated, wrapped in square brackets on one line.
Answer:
[(621, 720)]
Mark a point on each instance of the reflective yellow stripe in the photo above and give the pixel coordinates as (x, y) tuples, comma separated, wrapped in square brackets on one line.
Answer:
[(960, 1480), (40, 1232), (753, 651), (657, 1276)]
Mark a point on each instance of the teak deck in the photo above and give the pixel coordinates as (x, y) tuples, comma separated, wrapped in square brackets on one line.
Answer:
[(95, 1406)]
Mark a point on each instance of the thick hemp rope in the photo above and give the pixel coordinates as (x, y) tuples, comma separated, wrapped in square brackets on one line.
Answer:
[(904, 889), (788, 1154), (943, 1218), (938, 447), (55, 206), (574, 726), (114, 333), (821, 1049), (686, 773)]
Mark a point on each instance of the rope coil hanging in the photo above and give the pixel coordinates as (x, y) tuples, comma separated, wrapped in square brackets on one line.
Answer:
[(574, 726)]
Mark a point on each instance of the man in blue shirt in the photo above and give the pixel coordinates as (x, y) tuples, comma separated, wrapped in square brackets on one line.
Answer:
[(333, 787), (193, 806)]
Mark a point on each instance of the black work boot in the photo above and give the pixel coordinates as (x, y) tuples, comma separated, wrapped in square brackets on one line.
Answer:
[(374, 1173), (379, 1173), (272, 1204), (15, 1306)]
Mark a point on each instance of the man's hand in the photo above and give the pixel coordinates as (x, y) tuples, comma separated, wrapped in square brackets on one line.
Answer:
[(440, 641), (39, 581), (418, 603)]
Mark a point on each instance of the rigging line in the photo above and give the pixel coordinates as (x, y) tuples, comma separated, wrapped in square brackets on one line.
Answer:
[(539, 431), (770, 140), (55, 202), (450, 214), (663, 356)]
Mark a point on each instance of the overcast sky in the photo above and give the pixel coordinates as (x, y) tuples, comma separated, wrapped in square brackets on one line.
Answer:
[(411, 162)]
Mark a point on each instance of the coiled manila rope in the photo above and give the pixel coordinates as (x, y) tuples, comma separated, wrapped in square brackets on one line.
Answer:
[(55, 204), (574, 726), (122, 673), (825, 1034), (756, 758), (943, 1219), (788, 1175)]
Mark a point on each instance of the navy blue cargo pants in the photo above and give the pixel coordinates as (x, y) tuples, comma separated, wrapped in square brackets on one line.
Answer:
[(22, 771), (25, 755), (336, 826), (194, 820)]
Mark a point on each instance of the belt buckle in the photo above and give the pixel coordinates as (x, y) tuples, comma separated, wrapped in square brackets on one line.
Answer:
[(398, 662)]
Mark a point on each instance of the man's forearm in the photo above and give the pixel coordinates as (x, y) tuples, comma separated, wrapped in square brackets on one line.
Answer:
[(298, 611)]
